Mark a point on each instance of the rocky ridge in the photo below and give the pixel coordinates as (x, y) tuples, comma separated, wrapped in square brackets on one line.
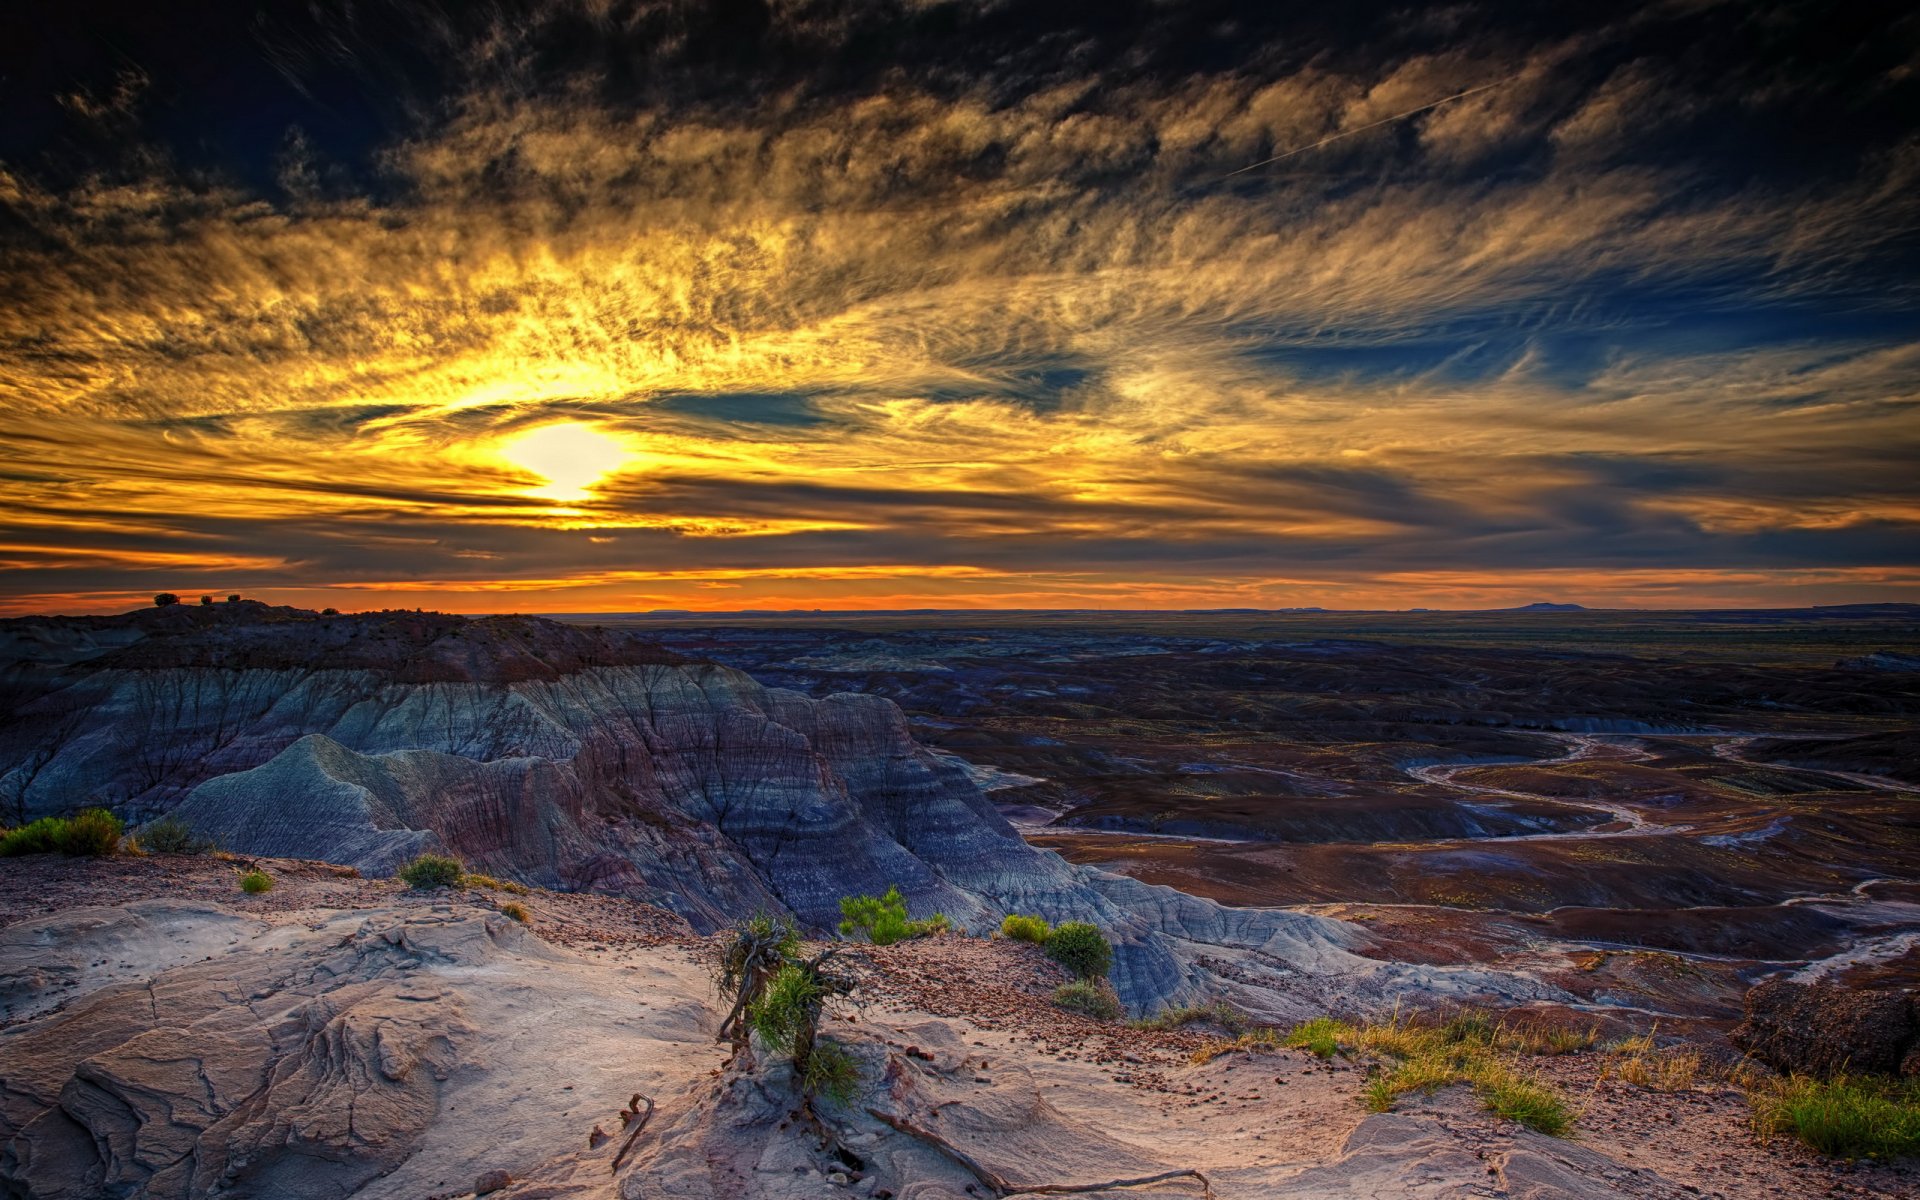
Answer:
[(580, 759)]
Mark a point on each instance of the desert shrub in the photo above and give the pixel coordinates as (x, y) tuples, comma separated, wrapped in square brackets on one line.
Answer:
[(790, 1003), (1844, 1117), (515, 910), (1025, 929), (164, 599), (746, 962), (432, 871), (91, 833), (1089, 998), (255, 882), (883, 920), (1082, 949), (830, 1072), (170, 835), (37, 837), (1323, 1037)]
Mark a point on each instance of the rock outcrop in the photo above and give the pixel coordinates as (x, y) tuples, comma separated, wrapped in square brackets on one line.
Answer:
[(1824, 1029), (579, 759)]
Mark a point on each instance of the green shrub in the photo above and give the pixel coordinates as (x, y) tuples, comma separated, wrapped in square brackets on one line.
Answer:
[(37, 837), (1844, 1117), (170, 835), (432, 871), (1082, 949), (1026, 929), (255, 882), (1089, 998), (830, 1072), (883, 921), (789, 1006), (515, 910), (91, 833)]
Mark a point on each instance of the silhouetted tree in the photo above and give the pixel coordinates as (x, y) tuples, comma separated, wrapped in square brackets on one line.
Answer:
[(166, 598), (234, 599), (207, 600)]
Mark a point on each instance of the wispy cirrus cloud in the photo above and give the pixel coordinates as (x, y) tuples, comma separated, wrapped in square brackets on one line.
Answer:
[(1012, 322)]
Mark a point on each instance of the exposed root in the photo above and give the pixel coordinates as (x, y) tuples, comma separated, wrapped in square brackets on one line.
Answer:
[(631, 1115)]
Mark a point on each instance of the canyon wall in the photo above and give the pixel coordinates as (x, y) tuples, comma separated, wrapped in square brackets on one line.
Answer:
[(576, 759)]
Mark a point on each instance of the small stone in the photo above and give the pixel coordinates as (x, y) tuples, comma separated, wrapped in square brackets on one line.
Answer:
[(839, 1178), (492, 1181)]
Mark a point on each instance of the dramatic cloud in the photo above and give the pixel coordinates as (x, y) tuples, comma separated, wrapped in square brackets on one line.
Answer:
[(620, 306)]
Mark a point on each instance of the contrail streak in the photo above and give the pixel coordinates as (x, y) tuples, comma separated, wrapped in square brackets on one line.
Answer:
[(1373, 125)]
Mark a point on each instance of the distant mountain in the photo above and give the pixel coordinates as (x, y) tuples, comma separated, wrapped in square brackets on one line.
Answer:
[(1544, 606)]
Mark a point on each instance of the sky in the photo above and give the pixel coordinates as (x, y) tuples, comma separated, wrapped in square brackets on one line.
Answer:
[(595, 306)]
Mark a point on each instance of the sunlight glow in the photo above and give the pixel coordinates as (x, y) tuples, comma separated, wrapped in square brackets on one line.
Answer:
[(570, 456)]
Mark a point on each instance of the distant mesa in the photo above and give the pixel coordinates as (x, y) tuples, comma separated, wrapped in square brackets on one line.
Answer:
[(1545, 606)]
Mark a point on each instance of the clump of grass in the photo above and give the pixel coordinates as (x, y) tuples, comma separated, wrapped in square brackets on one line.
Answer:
[(1082, 949), (1844, 1117), (1565, 1039), (1424, 1055), (1668, 1071), (883, 920), (35, 837), (1637, 1060), (1089, 998), (1219, 1013), (1264, 1040), (1518, 1098), (495, 885), (1322, 1036), (480, 881), (830, 1072), (515, 910), (1026, 929), (255, 882), (432, 871), (171, 835)]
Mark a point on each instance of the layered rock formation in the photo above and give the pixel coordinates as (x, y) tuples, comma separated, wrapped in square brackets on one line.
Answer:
[(434, 1048), (578, 759)]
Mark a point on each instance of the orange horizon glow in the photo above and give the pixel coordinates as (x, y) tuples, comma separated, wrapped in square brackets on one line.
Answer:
[(855, 591)]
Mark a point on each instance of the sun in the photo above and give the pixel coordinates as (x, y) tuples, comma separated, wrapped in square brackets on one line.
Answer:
[(571, 457)]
